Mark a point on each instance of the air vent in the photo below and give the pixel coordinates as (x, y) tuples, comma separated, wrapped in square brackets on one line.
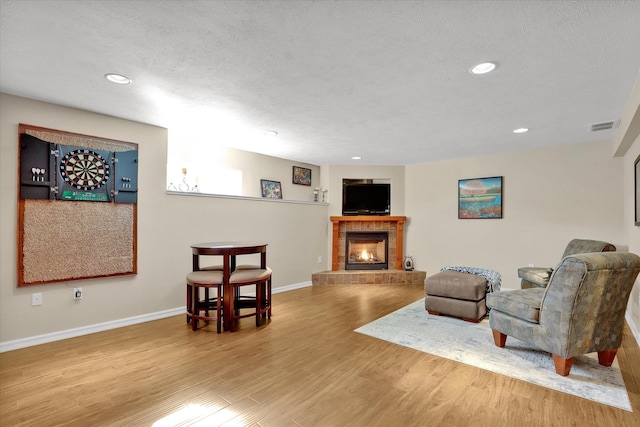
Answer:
[(603, 125)]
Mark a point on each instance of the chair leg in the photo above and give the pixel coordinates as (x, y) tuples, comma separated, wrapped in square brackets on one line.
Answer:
[(219, 310), (605, 357), (232, 310), (499, 338), (189, 306), (258, 303), (263, 300), (206, 301), (195, 295), (236, 297), (563, 366), (269, 298)]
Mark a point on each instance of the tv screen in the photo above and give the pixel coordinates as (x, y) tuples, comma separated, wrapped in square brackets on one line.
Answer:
[(366, 199)]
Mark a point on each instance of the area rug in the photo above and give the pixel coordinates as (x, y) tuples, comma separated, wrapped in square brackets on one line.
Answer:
[(472, 344)]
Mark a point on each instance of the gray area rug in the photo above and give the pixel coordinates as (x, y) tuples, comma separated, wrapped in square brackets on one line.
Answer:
[(472, 344)]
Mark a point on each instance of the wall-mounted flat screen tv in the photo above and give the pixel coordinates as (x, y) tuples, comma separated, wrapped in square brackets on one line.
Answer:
[(366, 199)]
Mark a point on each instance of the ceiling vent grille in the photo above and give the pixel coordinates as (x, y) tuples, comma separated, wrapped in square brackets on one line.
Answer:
[(603, 125)]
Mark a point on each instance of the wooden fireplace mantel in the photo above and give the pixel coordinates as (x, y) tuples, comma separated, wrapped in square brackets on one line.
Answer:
[(367, 223)]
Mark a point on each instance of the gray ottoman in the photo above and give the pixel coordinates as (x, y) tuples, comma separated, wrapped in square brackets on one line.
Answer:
[(456, 294)]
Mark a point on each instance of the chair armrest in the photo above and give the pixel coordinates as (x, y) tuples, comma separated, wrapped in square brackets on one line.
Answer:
[(537, 275)]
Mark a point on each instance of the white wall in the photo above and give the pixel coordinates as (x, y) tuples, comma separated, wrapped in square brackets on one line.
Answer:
[(167, 225), (632, 232), (333, 175), (550, 196), (199, 158)]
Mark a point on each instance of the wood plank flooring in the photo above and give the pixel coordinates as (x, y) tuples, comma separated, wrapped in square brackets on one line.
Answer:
[(305, 368)]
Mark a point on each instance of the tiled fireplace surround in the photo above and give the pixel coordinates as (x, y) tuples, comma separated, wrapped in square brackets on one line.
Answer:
[(394, 225)]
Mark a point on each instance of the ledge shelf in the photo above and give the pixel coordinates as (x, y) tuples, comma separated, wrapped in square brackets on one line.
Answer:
[(261, 199)]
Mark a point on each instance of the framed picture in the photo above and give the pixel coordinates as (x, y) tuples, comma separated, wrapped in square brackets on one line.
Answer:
[(271, 189), (480, 198), (637, 181), (301, 175)]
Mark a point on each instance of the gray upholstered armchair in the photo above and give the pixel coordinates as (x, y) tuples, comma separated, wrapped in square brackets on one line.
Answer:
[(580, 311), (538, 277)]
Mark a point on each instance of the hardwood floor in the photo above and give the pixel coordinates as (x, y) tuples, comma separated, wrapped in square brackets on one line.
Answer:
[(306, 368)]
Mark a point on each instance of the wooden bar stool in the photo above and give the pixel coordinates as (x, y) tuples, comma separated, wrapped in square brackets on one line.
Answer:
[(261, 303), (190, 288), (266, 310), (206, 279)]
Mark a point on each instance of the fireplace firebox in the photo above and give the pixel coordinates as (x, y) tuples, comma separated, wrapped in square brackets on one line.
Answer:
[(366, 250)]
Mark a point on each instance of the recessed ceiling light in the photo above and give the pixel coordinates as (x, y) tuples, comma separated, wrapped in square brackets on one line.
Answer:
[(356, 158), (118, 78), (270, 133), (520, 130), (483, 68)]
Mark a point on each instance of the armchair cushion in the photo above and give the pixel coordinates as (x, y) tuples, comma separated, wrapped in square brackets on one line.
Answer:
[(537, 275), (523, 304)]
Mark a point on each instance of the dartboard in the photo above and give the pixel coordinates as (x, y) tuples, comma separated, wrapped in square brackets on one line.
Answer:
[(84, 169)]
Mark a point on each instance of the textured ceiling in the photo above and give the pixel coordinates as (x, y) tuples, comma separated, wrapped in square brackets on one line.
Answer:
[(385, 80)]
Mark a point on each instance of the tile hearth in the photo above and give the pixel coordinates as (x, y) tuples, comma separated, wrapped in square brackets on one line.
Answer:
[(394, 227), (368, 277)]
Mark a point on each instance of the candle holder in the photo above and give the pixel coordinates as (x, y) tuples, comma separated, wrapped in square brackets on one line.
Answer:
[(184, 185)]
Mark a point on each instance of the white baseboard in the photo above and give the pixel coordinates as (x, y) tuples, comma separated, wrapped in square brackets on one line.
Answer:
[(291, 287), (634, 329), (113, 324), (86, 330)]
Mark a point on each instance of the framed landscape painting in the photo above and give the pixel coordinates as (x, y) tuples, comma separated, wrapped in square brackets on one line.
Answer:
[(301, 176), (480, 198), (271, 189)]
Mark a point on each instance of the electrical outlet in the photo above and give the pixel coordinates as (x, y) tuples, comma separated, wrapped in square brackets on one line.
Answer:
[(531, 265), (77, 293), (319, 260), (36, 299)]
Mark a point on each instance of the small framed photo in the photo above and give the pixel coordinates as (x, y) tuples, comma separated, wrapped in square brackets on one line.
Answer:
[(301, 175), (480, 198), (271, 189)]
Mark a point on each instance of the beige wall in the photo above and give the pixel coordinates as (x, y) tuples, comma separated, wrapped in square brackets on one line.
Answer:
[(627, 144), (254, 167), (632, 231), (550, 196), (333, 175), (167, 224)]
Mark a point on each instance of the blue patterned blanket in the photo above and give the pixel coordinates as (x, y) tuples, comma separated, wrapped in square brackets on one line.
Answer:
[(494, 280)]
